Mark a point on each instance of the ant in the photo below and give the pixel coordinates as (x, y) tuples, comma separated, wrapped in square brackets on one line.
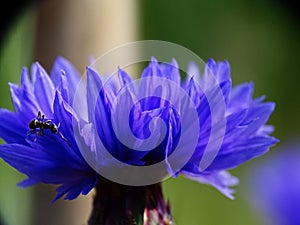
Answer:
[(40, 123)]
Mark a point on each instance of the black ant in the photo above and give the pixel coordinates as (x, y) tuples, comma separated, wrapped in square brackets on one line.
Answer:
[(40, 123)]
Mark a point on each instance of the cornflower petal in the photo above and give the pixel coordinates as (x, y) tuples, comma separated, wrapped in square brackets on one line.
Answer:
[(64, 67), (43, 90)]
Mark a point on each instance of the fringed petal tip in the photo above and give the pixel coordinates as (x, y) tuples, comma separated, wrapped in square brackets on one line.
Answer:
[(73, 189), (221, 180), (153, 59), (27, 183)]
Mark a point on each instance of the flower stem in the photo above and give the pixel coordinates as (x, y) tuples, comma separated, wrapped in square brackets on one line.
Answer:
[(116, 204)]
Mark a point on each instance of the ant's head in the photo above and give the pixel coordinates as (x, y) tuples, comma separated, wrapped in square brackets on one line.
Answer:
[(53, 128)]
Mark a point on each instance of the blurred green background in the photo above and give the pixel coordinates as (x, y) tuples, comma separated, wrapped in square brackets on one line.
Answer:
[(260, 39)]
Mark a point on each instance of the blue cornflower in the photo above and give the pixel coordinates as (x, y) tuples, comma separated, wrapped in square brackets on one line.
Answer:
[(275, 185), (60, 131)]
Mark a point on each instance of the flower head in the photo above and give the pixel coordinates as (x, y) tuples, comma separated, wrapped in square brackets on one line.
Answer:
[(158, 96), (158, 119), (275, 186)]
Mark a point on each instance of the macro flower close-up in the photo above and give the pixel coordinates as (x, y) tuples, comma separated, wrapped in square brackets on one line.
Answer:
[(149, 112), (62, 129)]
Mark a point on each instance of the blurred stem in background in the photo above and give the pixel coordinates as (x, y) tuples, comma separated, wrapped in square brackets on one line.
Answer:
[(16, 52), (78, 29)]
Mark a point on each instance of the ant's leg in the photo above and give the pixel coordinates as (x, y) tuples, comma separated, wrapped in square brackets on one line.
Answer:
[(41, 132), (61, 135), (33, 131), (65, 139)]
